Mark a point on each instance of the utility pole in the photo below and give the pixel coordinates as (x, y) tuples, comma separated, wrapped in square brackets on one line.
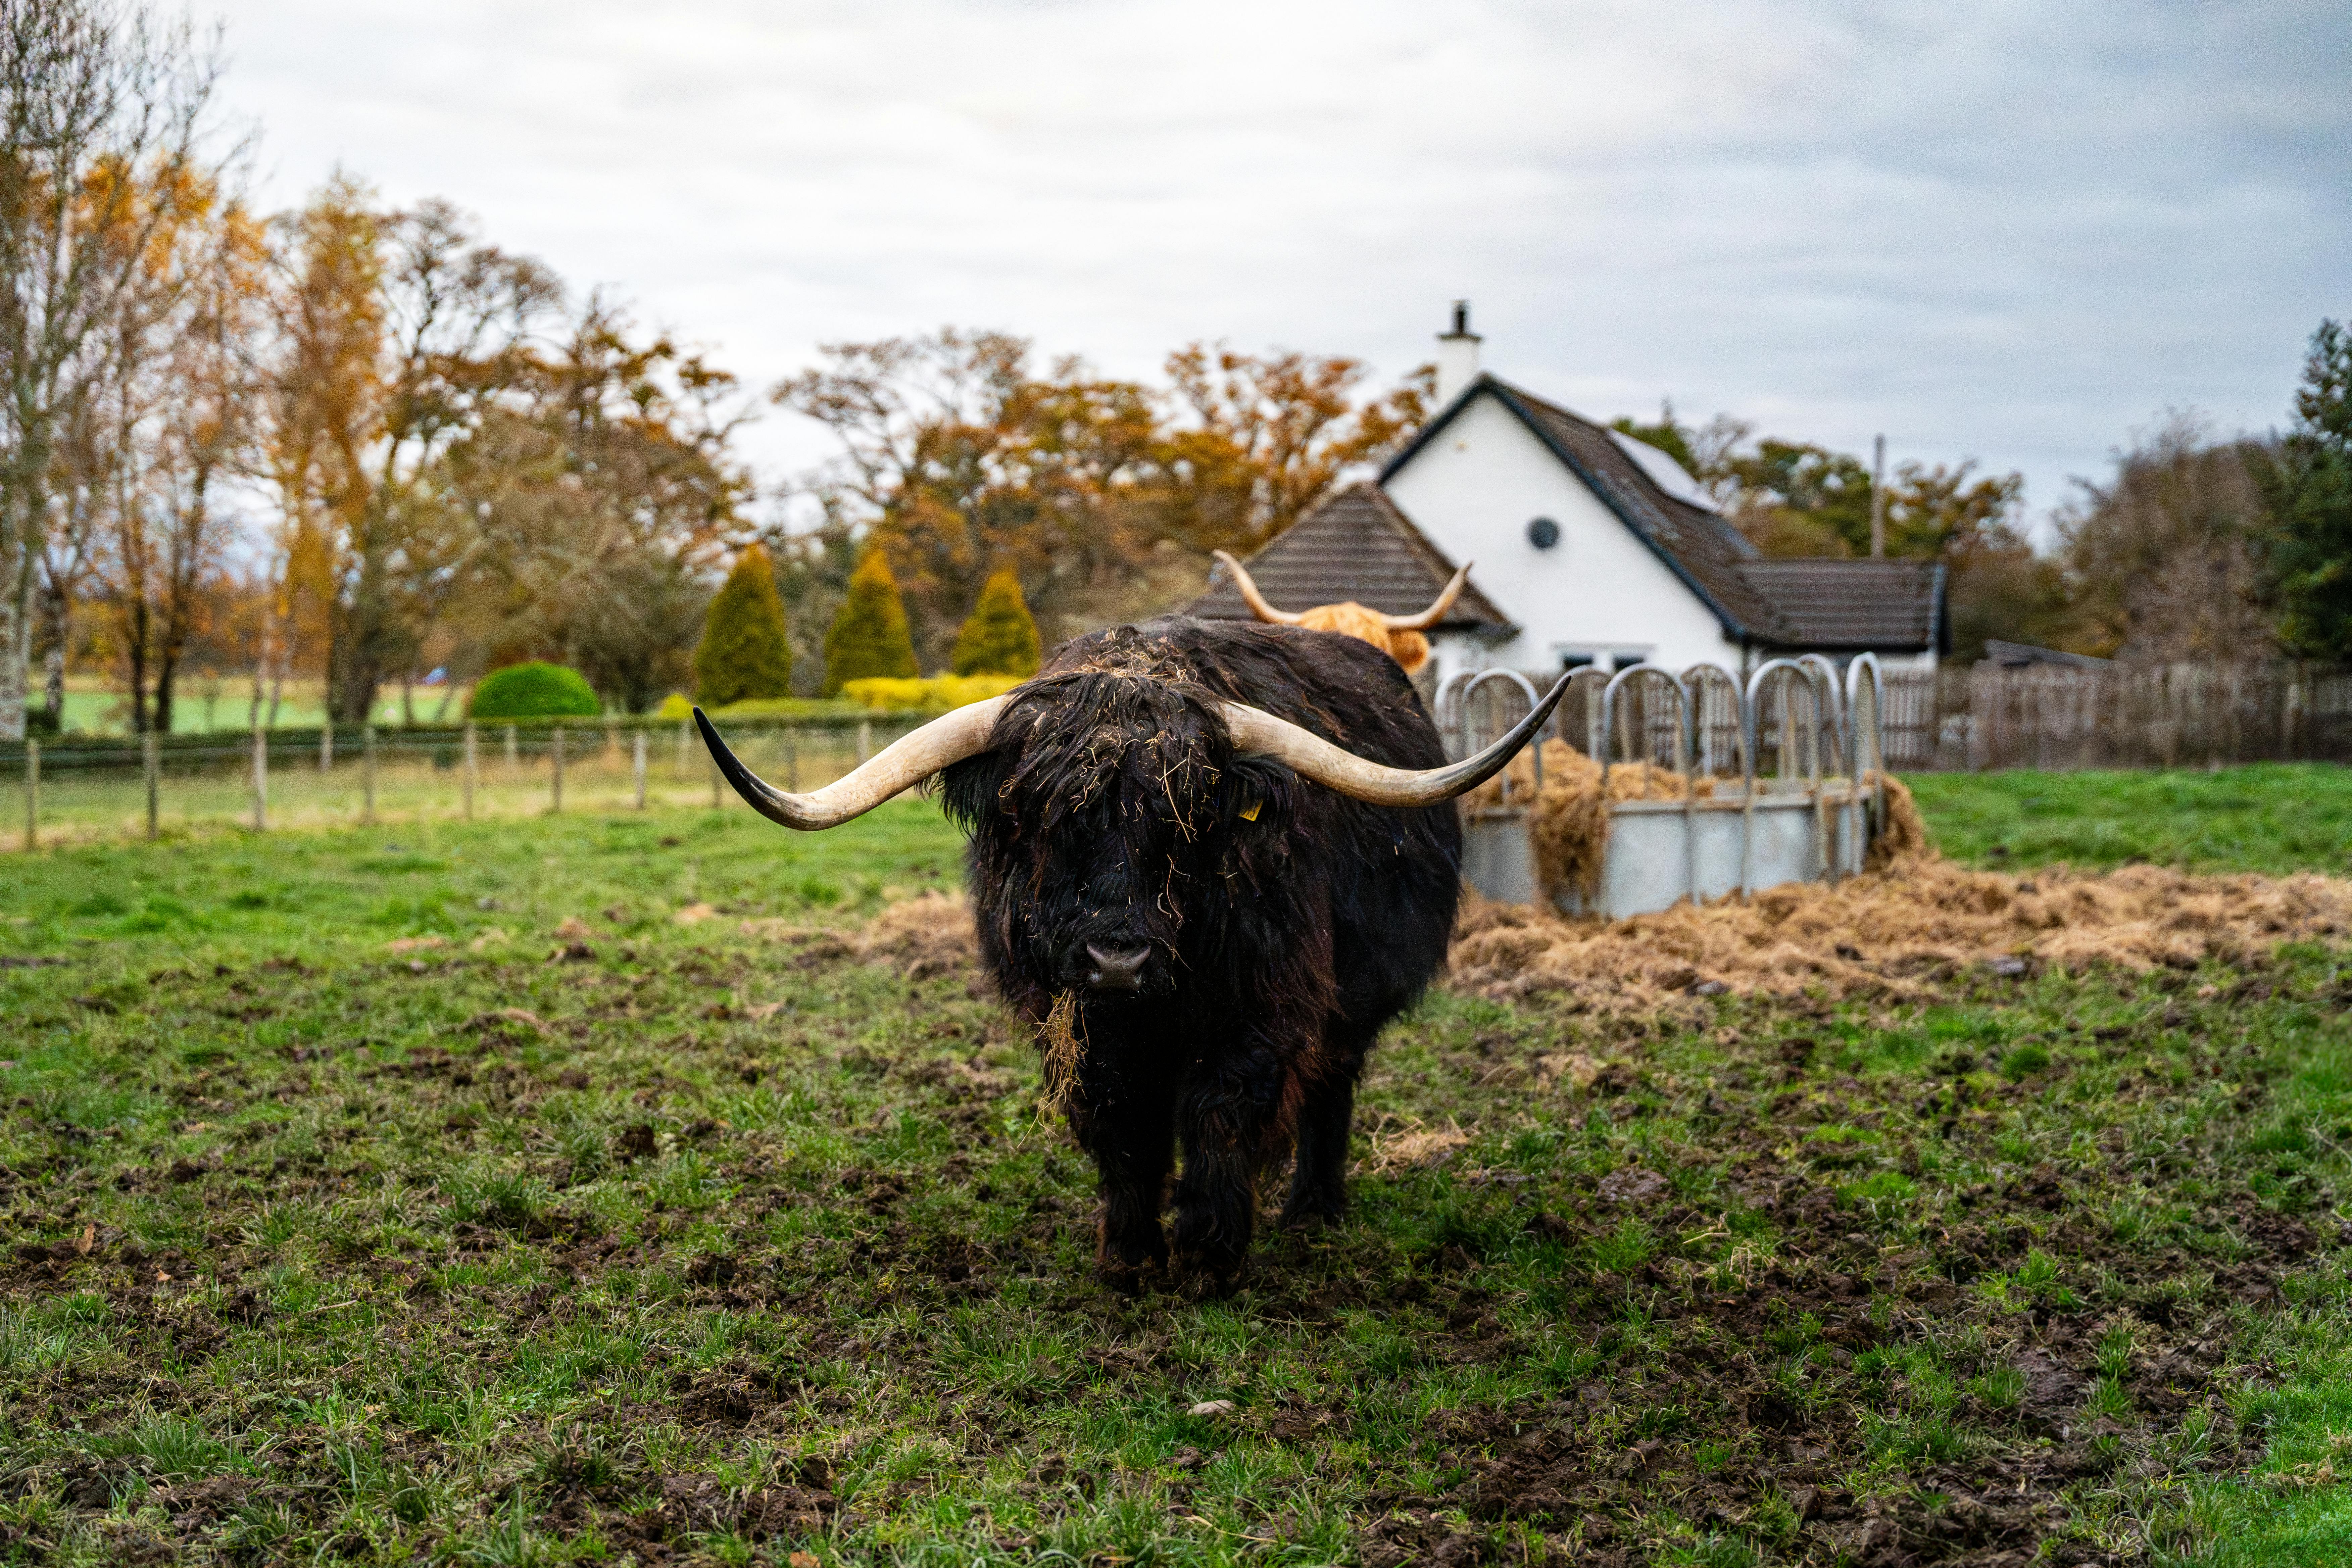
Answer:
[(1878, 499)]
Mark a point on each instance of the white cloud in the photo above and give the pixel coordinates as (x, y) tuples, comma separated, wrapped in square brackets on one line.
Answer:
[(2010, 231)]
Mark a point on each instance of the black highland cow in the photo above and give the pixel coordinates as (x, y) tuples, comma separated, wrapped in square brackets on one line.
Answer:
[(1205, 864)]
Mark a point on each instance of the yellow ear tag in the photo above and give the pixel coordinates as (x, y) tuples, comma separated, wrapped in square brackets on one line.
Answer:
[(1249, 813)]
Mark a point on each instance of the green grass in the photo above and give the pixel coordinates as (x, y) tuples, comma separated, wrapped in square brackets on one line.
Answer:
[(710, 1243), (2270, 816)]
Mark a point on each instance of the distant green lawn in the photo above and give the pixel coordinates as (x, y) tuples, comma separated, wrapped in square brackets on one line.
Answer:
[(2270, 816)]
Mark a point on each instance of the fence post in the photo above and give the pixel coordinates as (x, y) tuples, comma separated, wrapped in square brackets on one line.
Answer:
[(684, 745), (149, 762), (556, 754), (511, 760), (865, 740), (326, 745), (260, 780), (470, 766), (367, 774), (793, 757), (637, 762), (32, 793), (711, 769)]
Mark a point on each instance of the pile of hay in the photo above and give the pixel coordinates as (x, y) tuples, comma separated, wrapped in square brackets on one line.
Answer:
[(1893, 933), (1912, 921), (1897, 932)]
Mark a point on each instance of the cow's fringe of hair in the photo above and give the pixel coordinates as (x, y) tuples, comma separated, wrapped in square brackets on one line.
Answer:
[(1065, 1044)]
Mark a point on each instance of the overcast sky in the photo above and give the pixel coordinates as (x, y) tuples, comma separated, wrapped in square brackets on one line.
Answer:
[(2009, 231)]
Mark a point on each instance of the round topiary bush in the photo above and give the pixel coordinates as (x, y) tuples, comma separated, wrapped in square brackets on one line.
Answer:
[(534, 691)]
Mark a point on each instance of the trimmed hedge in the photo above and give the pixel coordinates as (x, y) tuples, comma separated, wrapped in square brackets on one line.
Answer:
[(940, 691), (534, 690)]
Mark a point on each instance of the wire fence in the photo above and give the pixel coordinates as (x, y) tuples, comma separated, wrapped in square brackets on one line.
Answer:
[(86, 790)]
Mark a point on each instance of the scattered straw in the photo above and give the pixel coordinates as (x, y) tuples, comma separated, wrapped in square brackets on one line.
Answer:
[(1904, 836), (1064, 1045), (1413, 1148), (1893, 933)]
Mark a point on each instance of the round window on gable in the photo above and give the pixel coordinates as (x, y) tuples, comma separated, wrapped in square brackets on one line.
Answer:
[(1543, 534)]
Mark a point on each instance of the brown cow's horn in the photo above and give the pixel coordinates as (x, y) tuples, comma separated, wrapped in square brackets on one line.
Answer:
[(1310, 756), (1436, 611), (903, 763), (1252, 597)]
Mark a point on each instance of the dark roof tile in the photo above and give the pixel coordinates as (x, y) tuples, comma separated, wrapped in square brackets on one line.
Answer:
[(1833, 604), (1356, 545)]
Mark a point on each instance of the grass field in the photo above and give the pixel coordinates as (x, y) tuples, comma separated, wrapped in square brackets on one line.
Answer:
[(224, 704), (529, 1243), (2269, 816)]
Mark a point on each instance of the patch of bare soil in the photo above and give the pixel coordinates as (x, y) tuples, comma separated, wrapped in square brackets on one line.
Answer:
[(921, 937)]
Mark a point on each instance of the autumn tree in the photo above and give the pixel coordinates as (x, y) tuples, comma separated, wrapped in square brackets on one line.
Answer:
[(999, 637), (186, 397), (402, 332), (2160, 555), (744, 652), (869, 636), (602, 495), (954, 458), (1263, 437), (101, 109), (960, 459)]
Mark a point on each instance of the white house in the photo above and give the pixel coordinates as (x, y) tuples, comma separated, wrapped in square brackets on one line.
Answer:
[(1590, 548)]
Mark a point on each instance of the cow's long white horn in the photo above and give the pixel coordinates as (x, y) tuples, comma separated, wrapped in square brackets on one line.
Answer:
[(900, 765), (1310, 756), (1253, 598), (1436, 611)]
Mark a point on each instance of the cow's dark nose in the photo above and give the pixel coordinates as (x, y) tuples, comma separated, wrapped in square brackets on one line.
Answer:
[(1115, 971)]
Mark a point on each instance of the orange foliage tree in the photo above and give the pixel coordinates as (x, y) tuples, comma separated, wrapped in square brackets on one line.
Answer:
[(961, 460)]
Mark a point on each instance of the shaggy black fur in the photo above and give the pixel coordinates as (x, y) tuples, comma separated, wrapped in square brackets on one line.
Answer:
[(1282, 924)]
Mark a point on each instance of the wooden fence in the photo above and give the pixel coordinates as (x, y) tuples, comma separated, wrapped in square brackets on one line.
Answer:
[(2117, 716)]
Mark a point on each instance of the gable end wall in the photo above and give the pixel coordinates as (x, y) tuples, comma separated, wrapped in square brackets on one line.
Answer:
[(1472, 491)]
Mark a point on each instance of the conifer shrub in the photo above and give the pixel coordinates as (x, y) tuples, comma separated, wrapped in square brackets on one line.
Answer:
[(869, 636), (1000, 637), (744, 653), (534, 690)]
